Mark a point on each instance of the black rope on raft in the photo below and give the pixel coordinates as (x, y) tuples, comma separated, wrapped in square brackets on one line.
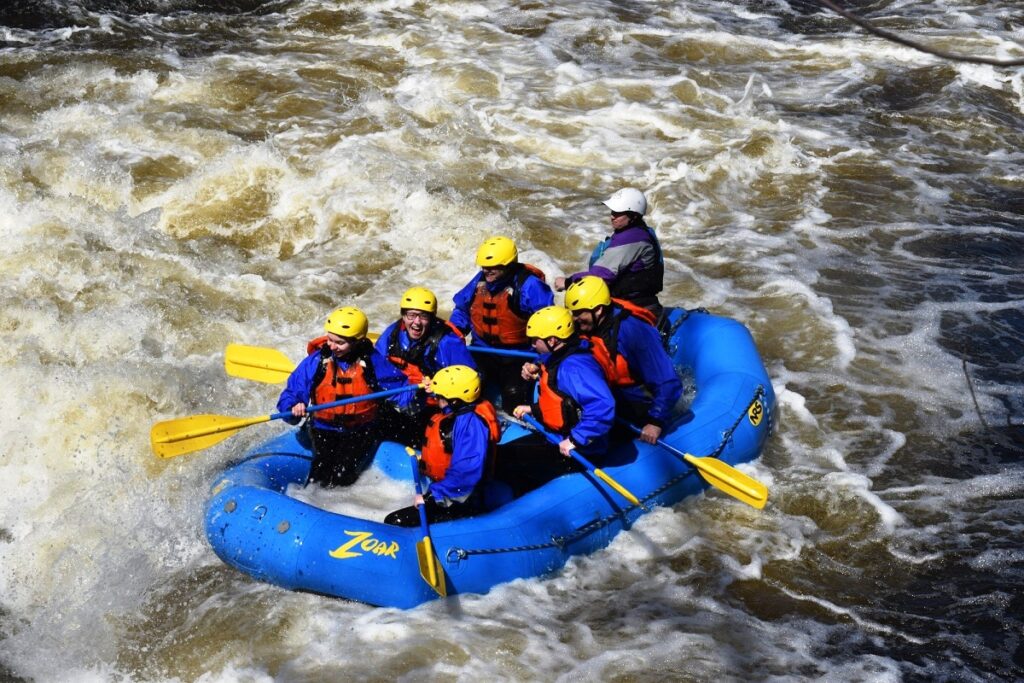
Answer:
[(896, 38), (457, 553), (727, 435)]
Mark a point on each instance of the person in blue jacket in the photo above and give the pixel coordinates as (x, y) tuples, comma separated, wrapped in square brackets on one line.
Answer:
[(458, 452), (495, 306), (340, 365), (630, 259), (573, 401), (419, 344), (628, 348)]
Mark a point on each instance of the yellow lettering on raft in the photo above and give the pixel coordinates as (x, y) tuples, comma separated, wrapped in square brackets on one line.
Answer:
[(366, 542)]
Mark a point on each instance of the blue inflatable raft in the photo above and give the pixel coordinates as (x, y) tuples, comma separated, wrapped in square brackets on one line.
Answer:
[(255, 527)]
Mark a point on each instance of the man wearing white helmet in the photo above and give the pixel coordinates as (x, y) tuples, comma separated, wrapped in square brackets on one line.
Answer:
[(629, 259)]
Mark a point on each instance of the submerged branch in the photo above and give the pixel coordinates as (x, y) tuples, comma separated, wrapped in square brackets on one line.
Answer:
[(888, 35)]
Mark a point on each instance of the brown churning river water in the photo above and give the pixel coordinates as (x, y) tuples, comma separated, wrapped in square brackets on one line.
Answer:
[(176, 175)]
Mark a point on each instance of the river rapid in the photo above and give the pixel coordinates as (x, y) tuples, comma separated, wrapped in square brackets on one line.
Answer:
[(176, 175)]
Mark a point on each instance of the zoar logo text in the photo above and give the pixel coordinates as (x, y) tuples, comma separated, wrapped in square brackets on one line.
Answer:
[(365, 542)]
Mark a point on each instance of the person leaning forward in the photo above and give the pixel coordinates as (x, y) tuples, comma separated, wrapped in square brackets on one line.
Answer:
[(495, 306), (419, 344), (340, 365), (458, 452), (573, 401), (628, 348), (630, 259)]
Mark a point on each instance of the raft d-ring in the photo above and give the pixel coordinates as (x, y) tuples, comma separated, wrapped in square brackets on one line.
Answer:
[(259, 512), (454, 555)]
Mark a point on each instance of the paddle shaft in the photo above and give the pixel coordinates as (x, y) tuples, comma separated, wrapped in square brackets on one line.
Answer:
[(510, 353), (419, 502), (556, 440), (271, 359), (719, 474), (692, 459), (354, 399), (235, 425), (429, 566), (273, 367)]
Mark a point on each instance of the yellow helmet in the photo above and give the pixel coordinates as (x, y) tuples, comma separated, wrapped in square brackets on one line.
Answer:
[(551, 321), (419, 298), (587, 294), (457, 382), (496, 251), (347, 322)]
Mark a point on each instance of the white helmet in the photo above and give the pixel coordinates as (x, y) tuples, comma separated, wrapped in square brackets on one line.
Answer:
[(627, 199)]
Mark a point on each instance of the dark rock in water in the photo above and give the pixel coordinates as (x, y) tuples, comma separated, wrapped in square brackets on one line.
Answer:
[(913, 89), (49, 14), (32, 14)]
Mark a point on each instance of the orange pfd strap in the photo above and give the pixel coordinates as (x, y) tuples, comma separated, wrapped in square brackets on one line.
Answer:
[(438, 449)]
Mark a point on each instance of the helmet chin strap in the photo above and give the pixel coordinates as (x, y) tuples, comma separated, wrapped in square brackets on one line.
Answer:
[(558, 343)]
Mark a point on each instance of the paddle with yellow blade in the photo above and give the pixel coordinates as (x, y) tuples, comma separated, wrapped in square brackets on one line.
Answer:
[(261, 364), (721, 475), (257, 363), (273, 367), (601, 474), (430, 568), (172, 438)]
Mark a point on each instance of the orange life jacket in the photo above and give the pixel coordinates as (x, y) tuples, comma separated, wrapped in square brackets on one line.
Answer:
[(557, 410), (421, 352), (438, 449), (606, 344), (331, 383), (498, 318)]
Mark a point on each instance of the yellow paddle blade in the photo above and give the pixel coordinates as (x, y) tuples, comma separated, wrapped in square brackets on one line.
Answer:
[(728, 479), (187, 434), (429, 569), (257, 363), (262, 364), (617, 486)]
